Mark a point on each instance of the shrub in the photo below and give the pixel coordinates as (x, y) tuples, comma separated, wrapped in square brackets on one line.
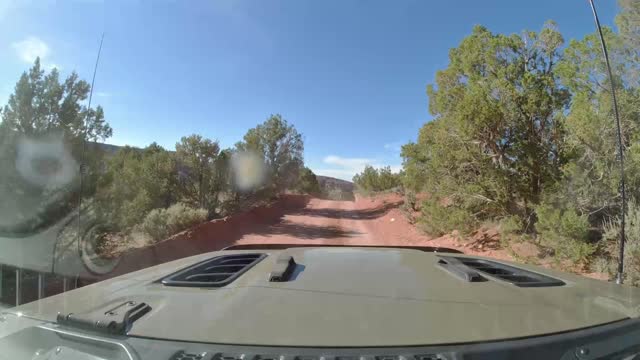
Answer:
[(603, 265), (509, 226), (410, 200), (374, 180), (161, 223), (631, 273), (181, 217), (155, 224), (308, 182), (438, 220), (565, 232), (409, 206)]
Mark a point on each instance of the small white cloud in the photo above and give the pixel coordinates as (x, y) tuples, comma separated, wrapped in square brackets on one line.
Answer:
[(347, 162), (103, 94), (343, 167), (395, 146), (31, 48)]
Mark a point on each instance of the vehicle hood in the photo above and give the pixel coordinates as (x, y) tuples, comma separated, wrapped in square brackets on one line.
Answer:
[(349, 297)]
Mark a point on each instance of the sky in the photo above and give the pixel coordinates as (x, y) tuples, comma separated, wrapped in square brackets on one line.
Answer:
[(351, 75)]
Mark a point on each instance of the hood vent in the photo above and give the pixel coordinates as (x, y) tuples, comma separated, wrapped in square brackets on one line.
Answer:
[(216, 272), (510, 274)]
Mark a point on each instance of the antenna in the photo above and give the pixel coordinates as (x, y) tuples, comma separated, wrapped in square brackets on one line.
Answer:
[(84, 140), (620, 146)]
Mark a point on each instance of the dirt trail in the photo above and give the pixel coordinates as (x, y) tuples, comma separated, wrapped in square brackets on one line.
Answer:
[(380, 221), (366, 221), (303, 220), (296, 219), (320, 222)]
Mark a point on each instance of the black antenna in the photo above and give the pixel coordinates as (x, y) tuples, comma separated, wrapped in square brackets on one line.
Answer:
[(84, 140), (620, 146)]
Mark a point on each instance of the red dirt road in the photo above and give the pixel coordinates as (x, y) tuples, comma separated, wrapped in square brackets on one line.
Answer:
[(325, 222), (366, 221), (302, 220)]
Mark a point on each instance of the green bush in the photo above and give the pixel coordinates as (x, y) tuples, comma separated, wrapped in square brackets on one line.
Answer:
[(410, 200), (631, 273), (565, 232), (181, 217), (409, 206), (375, 180), (308, 182), (155, 224), (603, 265), (509, 228), (162, 223), (510, 225), (438, 220)]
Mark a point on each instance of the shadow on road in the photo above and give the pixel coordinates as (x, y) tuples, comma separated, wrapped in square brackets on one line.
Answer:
[(306, 231), (364, 214)]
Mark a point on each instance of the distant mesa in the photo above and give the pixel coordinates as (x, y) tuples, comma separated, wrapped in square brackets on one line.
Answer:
[(329, 182)]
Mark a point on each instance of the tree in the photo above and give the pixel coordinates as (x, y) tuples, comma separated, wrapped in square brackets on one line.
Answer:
[(197, 157), (590, 178), (628, 21), (496, 140), (372, 179), (135, 182), (222, 172), (281, 147), (43, 128), (44, 110), (308, 183), (42, 105)]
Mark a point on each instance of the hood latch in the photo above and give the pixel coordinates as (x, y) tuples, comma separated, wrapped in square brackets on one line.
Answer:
[(110, 319)]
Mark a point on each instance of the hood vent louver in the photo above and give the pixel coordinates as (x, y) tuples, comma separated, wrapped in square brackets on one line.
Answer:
[(459, 270), (216, 272), (516, 276)]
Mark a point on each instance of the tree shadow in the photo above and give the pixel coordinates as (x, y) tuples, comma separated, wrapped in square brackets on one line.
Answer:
[(306, 231), (365, 214)]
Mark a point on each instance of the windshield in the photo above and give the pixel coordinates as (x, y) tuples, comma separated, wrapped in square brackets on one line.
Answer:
[(135, 134)]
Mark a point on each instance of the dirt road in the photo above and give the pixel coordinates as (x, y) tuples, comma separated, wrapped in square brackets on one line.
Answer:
[(324, 222), (302, 220), (366, 221)]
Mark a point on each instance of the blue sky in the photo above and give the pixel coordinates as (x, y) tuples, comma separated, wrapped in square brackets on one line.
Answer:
[(350, 75)]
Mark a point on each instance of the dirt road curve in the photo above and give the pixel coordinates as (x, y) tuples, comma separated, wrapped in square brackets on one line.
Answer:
[(301, 220)]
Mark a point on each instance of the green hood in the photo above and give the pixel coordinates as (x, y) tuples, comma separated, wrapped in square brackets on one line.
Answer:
[(350, 297)]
